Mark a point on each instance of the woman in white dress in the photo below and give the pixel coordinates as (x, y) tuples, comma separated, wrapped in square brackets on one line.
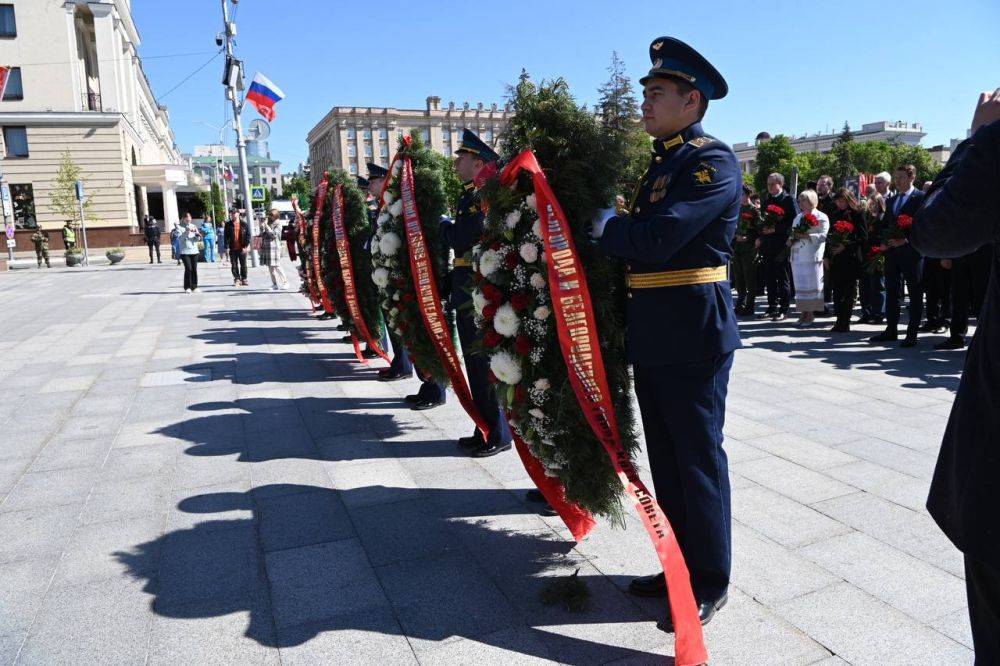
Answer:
[(807, 256)]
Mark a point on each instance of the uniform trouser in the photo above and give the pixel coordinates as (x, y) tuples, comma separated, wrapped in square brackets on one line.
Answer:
[(844, 276), (190, 262), (42, 255), (872, 295), (683, 409), (209, 249), (238, 259), (153, 245), (982, 585), (400, 364), (778, 279), (478, 368), (937, 290), (745, 278), (904, 265), (970, 276)]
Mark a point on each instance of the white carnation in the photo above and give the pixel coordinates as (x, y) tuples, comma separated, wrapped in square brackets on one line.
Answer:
[(532, 202), (489, 262), (383, 218), (478, 302), (528, 252), (389, 243), (512, 218), (542, 312), (537, 281), (537, 413), (396, 208), (536, 227), (395, 296), (542, 384), (387, 198), (506, 321), (380, 277), (506, 367)]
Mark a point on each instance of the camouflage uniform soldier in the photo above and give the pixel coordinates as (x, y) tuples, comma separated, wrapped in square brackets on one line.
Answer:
[(41, 240), (69, 235)]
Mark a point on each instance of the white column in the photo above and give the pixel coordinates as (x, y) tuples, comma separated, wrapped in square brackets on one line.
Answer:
[(108, 55), (143, 202), (170, 214), (74, 57)]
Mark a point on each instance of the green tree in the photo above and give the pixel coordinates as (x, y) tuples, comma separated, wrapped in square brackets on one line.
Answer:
[(267, 198), (452, 183), (621, 119), (843, 162), (301, 186), (770, 155), (212, 202), (62, 199)]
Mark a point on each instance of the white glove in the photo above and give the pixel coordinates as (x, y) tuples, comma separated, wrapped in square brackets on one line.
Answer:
[(600, 221)]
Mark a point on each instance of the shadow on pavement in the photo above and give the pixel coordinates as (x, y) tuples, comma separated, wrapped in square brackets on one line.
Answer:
[(256, 314), (260, 367), (430, 564)]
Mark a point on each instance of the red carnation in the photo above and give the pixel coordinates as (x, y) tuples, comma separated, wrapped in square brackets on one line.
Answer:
[(510, 261), (775, 210), (492, 294), (491, 339), (747, 215), (811, 219), (523, 345), (496, 245), (874, 252), (904, 221), (520, 393), (843, 227), (489, 311), (491, 377), (519, 301)]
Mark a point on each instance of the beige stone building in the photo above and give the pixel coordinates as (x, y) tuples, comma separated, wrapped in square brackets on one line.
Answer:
[(79, 86), (350, 136)]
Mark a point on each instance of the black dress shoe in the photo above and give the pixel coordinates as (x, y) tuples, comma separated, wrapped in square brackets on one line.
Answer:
[(470, 443), (883, 337), (648, 586), (840, 328), (767, 315), (325, 316), (424, 404), (706, 611), (878, 321), (346, 338), (392, 377), (951, 343), (342, 327), (864, 319), (909, 341), (780, 316), (535, 495), (369, 353), (413, 398), (488, 450), (928, 327)]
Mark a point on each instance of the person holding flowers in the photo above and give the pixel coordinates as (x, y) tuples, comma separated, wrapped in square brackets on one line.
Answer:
[(848, 235), (903, 264), (745, 255), (779, 211), (807, 241)]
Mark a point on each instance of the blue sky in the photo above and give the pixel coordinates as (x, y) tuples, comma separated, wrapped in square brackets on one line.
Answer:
[(792, 67)]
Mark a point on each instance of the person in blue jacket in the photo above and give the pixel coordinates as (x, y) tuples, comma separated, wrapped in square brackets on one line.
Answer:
[(208, 230), (958, 216), (681, 333)]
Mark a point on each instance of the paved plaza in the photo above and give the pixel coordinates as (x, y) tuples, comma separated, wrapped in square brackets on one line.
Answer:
[(212, 478)]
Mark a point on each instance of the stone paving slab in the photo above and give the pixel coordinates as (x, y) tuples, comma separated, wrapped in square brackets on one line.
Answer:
[(212, 478)]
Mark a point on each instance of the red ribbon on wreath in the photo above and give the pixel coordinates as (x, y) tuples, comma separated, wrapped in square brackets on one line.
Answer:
[(324, 297), (347, 274), (577, 328), (300, 220)]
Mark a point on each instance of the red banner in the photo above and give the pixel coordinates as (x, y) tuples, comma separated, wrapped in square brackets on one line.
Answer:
[(577, 327), (347, 273), (425, 284), (577, 520), (300, 220), (317, 273)]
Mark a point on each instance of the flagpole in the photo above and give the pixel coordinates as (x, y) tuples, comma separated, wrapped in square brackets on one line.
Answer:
[(234, 96)]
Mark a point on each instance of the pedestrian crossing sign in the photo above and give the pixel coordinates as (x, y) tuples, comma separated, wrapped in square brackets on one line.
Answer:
[(256, 193)]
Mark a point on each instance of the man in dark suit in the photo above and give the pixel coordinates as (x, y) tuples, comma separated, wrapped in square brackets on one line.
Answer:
[(959, 216), (681, 327), (237, 233), (902, 262), (775, 259)]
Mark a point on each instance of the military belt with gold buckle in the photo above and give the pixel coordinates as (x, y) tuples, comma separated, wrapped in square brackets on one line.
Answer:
[(462, 262), (678, 278)]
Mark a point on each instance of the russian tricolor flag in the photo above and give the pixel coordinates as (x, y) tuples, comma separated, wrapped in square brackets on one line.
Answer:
[(264, 95)]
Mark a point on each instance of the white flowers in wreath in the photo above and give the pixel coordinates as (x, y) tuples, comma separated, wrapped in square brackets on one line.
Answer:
[(506, 367), (506, 321), (537, 281), (396, 208), (489, 262), (389, 243), (512, 218), (479, 302), (380, 277), (528, 252)]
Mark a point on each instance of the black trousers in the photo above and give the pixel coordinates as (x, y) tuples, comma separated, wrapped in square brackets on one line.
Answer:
[(744, 270), (982, 584), (937, 290), (970, 276), (904, 265), (238, 261), (683, 409), (844, 275), (778, 280), (153, 245), (190, 262)]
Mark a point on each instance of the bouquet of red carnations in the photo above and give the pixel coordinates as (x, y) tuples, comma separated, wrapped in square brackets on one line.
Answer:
[(748, 223), (842, 233), (806, 224), (875, 260), (902, 227), (772, 215)]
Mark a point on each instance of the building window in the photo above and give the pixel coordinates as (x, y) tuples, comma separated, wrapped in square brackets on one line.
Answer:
[(383, 151), (8, 26), (350, 133), (367, 134), (383, 135), (24, 206), (274, 181), (354, 169), (16, 141), (368, 150), (488, 136), (352, 151), (425, 134), (14, 89)]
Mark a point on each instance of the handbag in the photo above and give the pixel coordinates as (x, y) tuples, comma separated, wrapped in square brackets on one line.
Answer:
[(201, 246)]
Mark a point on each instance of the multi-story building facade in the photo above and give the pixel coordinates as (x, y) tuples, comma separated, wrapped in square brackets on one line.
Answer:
[(350, 136), (78, 86), (893, 132), (263, 171)]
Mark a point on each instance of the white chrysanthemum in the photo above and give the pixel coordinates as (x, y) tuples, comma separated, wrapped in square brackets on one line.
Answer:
[(478, 302), (512, 218), (380, 277), (387, 198), (542, 384), (389, 243), (383, 218), (537, 413), (506, 367), (396, 209), (542, 312), (489, 262), (537, 281), (395, 296), (532, 202), (528, 252), (506, 321)]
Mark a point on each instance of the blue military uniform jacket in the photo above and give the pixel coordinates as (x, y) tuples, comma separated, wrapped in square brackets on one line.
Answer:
[(461, 235), (373, 211), (684, 216), (959, 215)]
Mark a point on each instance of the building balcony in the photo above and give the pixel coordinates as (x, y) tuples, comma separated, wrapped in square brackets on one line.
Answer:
[(92, 102)]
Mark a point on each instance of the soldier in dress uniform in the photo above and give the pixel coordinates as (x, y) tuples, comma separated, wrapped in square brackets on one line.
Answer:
[(959, 216), (745, 255), (681, 328), (466, 231), (41, 240)]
